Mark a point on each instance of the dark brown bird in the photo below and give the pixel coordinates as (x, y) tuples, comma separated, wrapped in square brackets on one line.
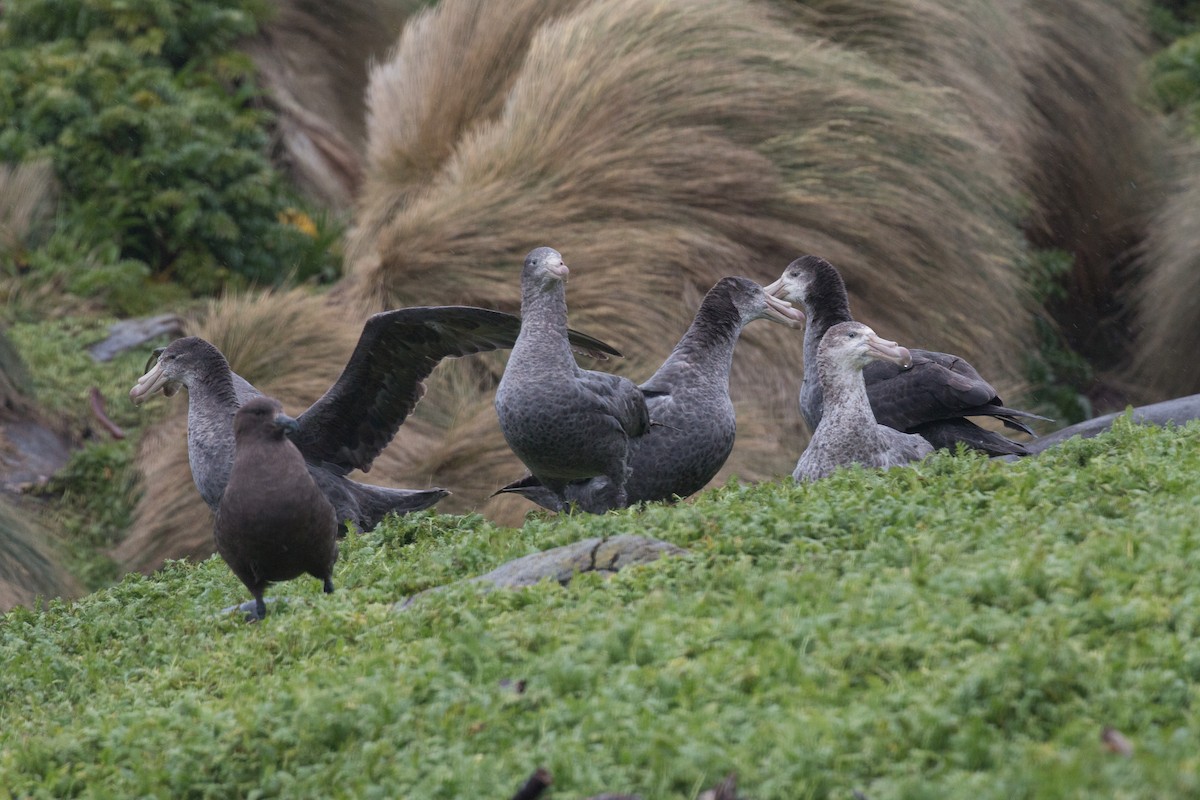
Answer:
[(273, 522)]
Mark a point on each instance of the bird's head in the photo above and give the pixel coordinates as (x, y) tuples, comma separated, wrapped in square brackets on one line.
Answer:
[(855, 345), (178, 364)]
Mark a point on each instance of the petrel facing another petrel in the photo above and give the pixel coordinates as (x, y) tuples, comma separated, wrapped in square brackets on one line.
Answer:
[(692, 418), (932, 398), (273, 522), (848, 432), (354, 420), (565, 423)]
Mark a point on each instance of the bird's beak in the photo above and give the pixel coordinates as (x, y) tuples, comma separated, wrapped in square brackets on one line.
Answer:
[(776, 289), (154, 380), (289, 424), (783, 312), (559, 270), (885, 350)]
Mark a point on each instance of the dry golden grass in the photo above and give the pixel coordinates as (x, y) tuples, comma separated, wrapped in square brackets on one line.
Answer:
[(1054, 83), (1168, 313), (27, 569), (661, 146), (448, 72), (312, 59), (27, 193)]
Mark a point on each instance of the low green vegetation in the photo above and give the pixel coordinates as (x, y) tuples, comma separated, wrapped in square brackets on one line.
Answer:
[(963, 629), (1174, 72)]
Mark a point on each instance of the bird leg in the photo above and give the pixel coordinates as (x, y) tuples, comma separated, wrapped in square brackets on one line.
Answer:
[(328, 585), (260, 608)]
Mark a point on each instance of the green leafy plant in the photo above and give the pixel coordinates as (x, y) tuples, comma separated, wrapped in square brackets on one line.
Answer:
[(151, 123), (962, 629)]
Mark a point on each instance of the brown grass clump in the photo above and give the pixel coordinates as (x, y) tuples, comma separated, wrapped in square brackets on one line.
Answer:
[(1168, 314), (1055, 83), (1093, 172), (312, 59), (27, 569), (448, 72), (27, 194), (661, 146)]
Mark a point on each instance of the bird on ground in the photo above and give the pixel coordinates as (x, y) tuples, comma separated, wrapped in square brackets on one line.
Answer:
[(354, 420), (848, 432), (273, 522), (933, 397), (692, 418), (565, 423)]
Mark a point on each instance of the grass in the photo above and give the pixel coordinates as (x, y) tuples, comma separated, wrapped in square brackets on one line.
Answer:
[(961, 629), (91, 499)]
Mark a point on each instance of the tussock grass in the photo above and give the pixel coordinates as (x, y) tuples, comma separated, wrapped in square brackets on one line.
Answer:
[(312, 59), (1167, 312), (29, 566), (27, 194), (661, 146), (1055, 83), (964, 629)]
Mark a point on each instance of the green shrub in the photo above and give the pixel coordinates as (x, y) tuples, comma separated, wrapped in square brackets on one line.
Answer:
[(158, 142)]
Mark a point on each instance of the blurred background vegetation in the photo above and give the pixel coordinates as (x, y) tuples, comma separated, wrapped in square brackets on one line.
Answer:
[(159, 156)]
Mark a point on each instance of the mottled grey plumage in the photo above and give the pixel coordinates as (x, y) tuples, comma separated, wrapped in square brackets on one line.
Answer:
[(352, 422), (692, 417), (848, 432), (565, 423), (932, 398), (273, 523)]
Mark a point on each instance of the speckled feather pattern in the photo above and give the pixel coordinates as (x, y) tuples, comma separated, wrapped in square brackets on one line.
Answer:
[(848, 432)]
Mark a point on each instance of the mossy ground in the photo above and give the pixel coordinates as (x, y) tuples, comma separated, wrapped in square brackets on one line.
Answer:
[(962, 629)]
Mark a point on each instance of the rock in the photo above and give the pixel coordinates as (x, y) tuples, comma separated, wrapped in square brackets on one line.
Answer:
[(129, 333), (605, 555), (1179, 411)]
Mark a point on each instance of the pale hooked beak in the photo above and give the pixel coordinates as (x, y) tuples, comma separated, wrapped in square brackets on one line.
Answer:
[(289, 424), (783, 312), (154, 380), (885, 350), (776, 289)]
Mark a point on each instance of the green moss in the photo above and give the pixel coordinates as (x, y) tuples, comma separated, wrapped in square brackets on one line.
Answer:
[(961, 629)]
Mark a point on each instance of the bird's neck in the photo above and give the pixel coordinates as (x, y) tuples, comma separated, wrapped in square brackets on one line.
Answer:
[(211, 405), (709, 341), (846, 402), (821, 316), (544, 326)]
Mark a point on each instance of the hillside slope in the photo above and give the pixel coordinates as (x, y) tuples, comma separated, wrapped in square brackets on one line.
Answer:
[(962, 629)]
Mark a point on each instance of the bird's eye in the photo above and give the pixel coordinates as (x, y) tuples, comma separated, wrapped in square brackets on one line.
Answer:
[(851, 335)]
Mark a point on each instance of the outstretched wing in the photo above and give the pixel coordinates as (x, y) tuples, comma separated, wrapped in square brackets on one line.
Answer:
[(383, 380)]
